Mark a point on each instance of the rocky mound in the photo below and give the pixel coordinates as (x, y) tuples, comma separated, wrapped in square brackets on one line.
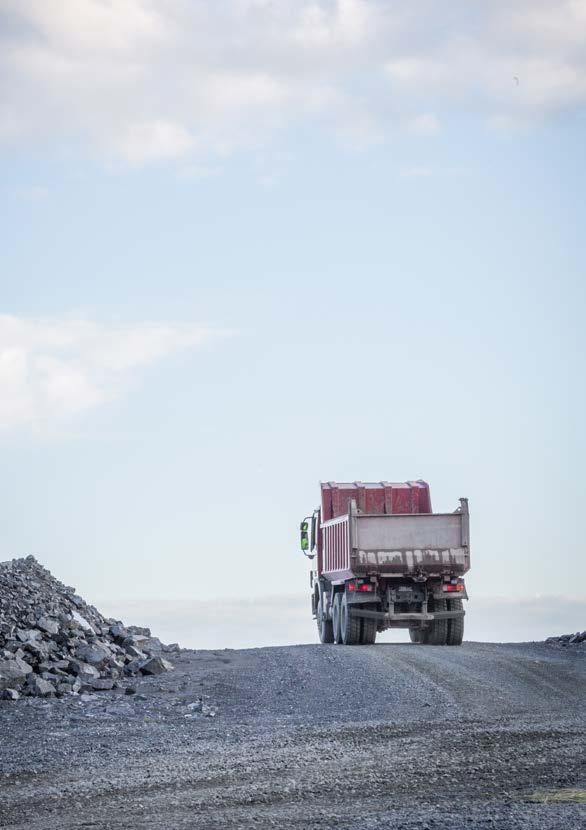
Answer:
[(568, 639), (53, 643)]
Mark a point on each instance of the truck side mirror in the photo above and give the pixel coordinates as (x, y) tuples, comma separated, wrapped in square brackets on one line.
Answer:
[(304, 536)]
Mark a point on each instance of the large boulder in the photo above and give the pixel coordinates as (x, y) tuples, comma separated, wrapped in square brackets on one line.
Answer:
[(156, 665), (93, 653), (85, 671), (13, 673)]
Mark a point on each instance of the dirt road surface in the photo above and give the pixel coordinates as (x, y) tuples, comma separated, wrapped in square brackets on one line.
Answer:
[(384, 736)]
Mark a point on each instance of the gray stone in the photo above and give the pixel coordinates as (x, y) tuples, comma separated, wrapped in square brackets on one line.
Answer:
[(85, 671), (102, 684), (151, 645), (86, 697), (136, 629), (135, 653), (26, 634), (65, 689), (48, 625), (201, 708), (41, 649), (118, 631), (9, 694), (13, 673), (156, 665), (39, 687), (95, 654)]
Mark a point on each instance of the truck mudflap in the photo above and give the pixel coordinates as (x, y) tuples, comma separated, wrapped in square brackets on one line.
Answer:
[(415, 617)]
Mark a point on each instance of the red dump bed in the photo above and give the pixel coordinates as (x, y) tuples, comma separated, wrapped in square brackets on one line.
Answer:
[(391, 532), (381, 497)]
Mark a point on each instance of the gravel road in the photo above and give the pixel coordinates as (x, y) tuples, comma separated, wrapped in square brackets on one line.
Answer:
[(384, 736)]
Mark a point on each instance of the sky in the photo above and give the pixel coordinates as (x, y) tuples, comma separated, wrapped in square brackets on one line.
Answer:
[(251, 245)]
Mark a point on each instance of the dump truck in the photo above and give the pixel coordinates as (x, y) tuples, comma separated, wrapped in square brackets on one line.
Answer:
[(383, 559)]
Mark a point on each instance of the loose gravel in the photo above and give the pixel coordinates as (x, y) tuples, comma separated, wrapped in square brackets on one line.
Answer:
[(384, 736)]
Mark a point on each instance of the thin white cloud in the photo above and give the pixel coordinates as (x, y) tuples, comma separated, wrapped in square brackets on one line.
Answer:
[(145, 81), (152, 141), (53, 369)]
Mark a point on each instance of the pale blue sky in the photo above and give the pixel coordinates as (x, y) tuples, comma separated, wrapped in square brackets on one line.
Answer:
[(310, 275)]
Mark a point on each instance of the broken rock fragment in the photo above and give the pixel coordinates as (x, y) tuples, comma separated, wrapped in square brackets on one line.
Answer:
[(9, 694), (13, 673), (48, 625), (156, 665), (35, 685), (93, 653)]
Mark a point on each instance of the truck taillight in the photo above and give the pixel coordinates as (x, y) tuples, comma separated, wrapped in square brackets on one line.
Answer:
[(361, 586), (451, 588)]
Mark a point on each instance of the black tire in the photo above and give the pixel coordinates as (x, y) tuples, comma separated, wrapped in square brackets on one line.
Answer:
[(438, 632), (455, 626), (349, 625), (325, 628), (336, 615), (419, 635), (368, 629)]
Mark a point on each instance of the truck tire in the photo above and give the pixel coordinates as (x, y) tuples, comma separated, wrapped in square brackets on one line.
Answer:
[(455, 626), (419, 635), (438, 631), (336, 618), (350, 626), (368, 631), (325, 628)]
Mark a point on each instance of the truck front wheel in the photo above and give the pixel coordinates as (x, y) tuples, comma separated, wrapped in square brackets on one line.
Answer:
[(349, 625), (336, 618), (325, 628)]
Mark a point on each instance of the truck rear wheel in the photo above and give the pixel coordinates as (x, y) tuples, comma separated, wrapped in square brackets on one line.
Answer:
[(325, 628), (438, 632), (455, 626), (419, 635), (367, 631), (350, 626), (336, 615)]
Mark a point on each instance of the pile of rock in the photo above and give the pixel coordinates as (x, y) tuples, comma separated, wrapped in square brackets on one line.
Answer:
[(568, 639), (53, 643)]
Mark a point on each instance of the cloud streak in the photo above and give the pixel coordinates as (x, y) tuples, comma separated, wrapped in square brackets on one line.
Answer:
[(55, 369), (142, 82)]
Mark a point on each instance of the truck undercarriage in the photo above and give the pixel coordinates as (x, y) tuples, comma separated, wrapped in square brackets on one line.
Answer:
[(432, 612)]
